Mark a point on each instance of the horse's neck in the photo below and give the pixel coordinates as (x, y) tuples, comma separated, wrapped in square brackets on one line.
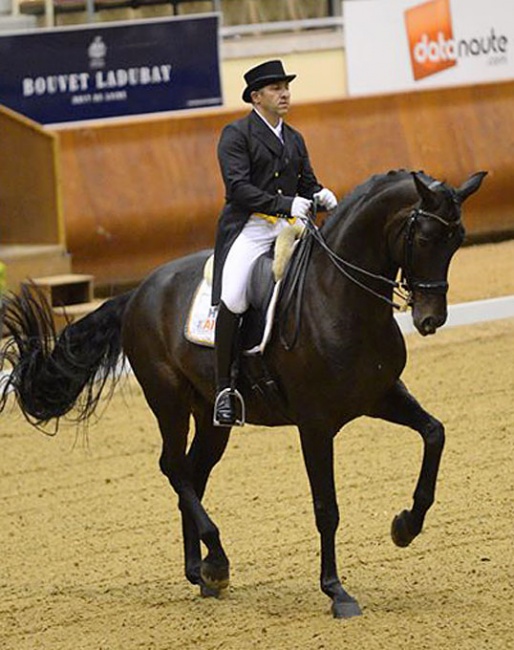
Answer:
[(360, 236)]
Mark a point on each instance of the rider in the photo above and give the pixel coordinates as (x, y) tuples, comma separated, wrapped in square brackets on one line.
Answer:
[(269, 182)]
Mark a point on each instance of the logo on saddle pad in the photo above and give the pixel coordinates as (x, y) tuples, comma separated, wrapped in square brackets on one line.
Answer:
[(201, 321)]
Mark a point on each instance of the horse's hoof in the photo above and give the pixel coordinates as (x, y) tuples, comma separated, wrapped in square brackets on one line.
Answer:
[(215, 579), (400, 532), (345, 609), (209, 592)]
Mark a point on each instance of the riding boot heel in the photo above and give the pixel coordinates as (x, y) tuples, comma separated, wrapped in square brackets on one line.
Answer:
[(229, 408)]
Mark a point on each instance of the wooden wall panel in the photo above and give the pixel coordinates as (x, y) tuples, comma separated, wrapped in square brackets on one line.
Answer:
[(138, 193), (29, 194), (448, 133)]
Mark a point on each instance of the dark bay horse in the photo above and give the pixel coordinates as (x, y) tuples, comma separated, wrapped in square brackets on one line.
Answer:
[(347, 360)]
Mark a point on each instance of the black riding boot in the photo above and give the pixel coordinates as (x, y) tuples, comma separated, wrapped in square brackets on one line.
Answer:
[(226, 411)]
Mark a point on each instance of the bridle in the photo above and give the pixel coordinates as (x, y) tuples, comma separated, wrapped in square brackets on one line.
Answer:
[(407, 279), (404, 289)]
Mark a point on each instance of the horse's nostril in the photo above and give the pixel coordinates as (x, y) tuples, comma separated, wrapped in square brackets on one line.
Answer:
[(429, 326)]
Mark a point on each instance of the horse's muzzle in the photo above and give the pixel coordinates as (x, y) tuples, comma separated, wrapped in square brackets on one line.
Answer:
[(429, 312)]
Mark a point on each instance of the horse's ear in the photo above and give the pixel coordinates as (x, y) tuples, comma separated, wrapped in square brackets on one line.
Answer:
[(425, 193), (470, 186)]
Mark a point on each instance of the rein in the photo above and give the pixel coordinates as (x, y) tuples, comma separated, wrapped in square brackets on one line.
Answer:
[(403, 289), (342, 265)]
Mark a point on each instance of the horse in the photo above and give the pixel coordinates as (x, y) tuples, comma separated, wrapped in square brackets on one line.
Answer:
[(344, 361)]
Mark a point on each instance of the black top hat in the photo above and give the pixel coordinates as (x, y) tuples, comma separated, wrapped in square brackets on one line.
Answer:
[(262, 75)]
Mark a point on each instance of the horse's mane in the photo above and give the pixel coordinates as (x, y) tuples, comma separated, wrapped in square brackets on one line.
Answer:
[(369, 189)]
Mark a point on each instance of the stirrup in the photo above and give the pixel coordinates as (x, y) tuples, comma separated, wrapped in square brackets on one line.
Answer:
[(239, 419)]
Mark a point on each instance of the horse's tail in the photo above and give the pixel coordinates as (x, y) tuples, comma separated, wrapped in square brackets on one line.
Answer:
[(51, 374)]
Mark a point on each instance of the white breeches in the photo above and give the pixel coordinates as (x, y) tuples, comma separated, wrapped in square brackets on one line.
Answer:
[(256, 238)]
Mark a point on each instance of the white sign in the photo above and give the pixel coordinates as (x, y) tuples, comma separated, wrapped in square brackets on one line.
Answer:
[(404, 45)]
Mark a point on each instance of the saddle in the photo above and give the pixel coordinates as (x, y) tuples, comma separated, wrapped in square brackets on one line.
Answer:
[(269, 274)]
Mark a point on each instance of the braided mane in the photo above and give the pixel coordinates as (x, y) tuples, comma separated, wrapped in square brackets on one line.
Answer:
[(369, 189)]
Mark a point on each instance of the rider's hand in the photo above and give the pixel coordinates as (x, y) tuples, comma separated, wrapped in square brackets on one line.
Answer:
[(301, 208), (326, 198)]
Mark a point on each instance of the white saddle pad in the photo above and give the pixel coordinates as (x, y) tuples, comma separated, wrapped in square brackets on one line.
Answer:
[(201, 320)]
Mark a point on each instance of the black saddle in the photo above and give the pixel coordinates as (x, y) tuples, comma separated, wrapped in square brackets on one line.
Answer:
[(260, 289)]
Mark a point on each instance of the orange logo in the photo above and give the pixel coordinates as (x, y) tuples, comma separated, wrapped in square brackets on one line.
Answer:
[(430, 34)]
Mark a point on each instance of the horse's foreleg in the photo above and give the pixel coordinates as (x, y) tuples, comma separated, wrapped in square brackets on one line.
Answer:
[(400, 407), (318, 454)]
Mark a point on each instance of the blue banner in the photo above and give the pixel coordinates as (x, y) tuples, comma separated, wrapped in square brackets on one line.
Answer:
[(71, 74)]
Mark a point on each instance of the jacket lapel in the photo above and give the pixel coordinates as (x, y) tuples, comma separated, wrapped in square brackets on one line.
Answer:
[(266, 135)]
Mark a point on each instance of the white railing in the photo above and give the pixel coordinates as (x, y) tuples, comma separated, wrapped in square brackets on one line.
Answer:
[(234, 31)]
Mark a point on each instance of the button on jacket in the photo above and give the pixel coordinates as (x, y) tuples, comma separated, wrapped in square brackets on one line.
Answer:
[(261, 175)]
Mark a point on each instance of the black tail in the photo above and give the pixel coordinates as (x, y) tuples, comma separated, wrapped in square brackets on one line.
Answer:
[(52, 374)]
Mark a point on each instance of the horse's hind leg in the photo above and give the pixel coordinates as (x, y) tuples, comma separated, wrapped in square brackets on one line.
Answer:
[(205, 451), (181, 470), (400, 407)]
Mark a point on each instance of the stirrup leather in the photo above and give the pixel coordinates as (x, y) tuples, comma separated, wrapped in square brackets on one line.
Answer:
[(240, 413)]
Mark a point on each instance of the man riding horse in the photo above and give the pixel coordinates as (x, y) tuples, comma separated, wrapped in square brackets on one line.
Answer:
[(269, 183)]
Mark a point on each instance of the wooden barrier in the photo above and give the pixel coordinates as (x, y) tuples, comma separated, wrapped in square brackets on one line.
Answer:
[(31, 230), (29, 185), (138, 193)]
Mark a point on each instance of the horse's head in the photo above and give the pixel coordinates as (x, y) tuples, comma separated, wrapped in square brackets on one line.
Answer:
[(434, 231)]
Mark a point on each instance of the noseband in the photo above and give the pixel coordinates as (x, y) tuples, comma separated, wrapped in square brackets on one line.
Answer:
[(408, 282)]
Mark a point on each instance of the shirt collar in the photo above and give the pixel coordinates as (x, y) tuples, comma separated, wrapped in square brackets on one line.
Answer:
[(277, 130)]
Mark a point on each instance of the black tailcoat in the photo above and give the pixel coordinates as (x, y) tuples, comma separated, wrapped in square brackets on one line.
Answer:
[(261, 175)]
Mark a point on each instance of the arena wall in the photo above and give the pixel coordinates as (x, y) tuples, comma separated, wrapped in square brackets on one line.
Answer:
[(139, 192), (30, 210)]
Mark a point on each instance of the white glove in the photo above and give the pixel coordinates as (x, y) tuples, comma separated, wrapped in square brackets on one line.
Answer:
[(301, 208), (326, 198)]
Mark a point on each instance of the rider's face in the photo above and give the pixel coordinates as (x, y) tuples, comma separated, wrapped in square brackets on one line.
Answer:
[(273, 100)]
